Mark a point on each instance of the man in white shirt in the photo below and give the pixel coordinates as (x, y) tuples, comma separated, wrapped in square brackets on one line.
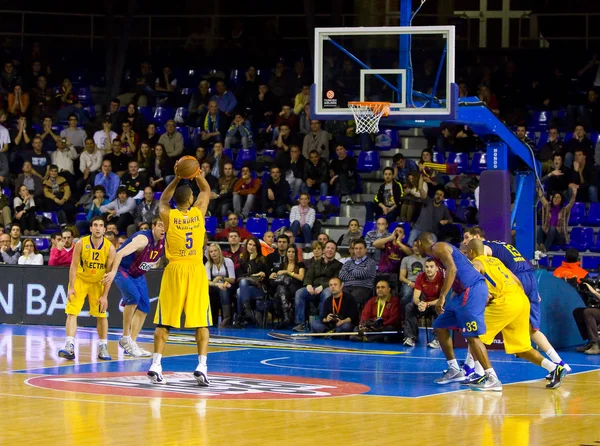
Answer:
[(73, 134), (104, 138), (120, 211), (89, 164), (4, 135), (63, 158)]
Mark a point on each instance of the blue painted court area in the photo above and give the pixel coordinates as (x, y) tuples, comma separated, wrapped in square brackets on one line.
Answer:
[(387, 369)]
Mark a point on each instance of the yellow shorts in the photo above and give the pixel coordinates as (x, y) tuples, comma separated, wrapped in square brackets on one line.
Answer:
[(184, 288), (93, 291), (511, 317)]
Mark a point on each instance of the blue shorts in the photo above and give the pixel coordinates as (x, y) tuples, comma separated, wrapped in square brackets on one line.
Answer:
[(134, 291), (530, 286), (465, 311)]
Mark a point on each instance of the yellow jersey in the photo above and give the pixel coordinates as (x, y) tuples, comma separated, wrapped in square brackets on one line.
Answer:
[(92, 263), (185, 236), (498, 278)]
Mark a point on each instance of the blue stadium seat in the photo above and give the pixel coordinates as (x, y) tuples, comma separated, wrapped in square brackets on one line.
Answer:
[(160, 129), (157, 195), (80, 216), (210, 223), (163, 114), (240, 221), (540, 120), (593, 215), (146, 112), (557, 260), (543, 262), (228, 152), (582, 238), (279, 223), (6, 191), (438, 157), (334, 200), (478, 163), (244, 156), (542, 141), (236, 76), (91, 111), (387, 139), (52, 217), (568, 137), (596, 246), (577, 214), (181, 115), (532, 136), (42, 243), (369, 226), (272, 153), (368, 161), (257, 226), (461, 159), (594, 137), (590, 263), (450, 203), (188, 91), (84, 94), (185, 132)]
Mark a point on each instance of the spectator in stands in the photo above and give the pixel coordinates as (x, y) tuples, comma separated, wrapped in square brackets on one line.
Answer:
[(239, 132), (359, 273), (144, 83), (250, 87), (380, 231), (232, 225), (4, 247), (75, 136), (99, 200), (235, 248), (199, 102), (315, 174), (201, 155), (302, 99), (18, 102), (522, 135), (555, 217), (90, 162), (264, 106), (337, 314), (33, 182), (214, 125), (136, 121), (275, 195), (145, 212), (221, 278), (172, 140), (105, 137), (130, 140), (153, 136), (108, 180), (11, 251), (486, 96), (343, 175), (145, 157), (24, 206), (5, 216), (226, 100), (275, 260), (166, 85), (251, 283), (412, 196), (120, 211), (282, 144), (317, 140), (315, 254), (62, 253), (134, 181), (381, 313), (57, 193), (42, 100), (4, 170), (427, 287), (48, 136), (224, 203), (114, 115), (554, 145), (393, 252), (388, 199), (4, 133), (585, 177), (302, 219), (558, 180), (288, 281), (353, 233), (9, 78), (21, 137), (588, 321), (579, 141), (316, 283), (285, 117), (218, 159), (213, 183), (589, 113), (40, 161), (161, 174), (454, 138), (244, 193), (30, 254), (279, 80), (571, 269), (402, 167), (294, 171), (410, 268), (434, 214), (63, 159), (430, 176), (267, 244)]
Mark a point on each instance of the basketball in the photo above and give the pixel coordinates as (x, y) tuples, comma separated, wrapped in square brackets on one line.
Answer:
[(187, 167)]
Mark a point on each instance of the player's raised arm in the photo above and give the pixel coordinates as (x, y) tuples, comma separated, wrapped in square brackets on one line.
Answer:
[(138, 242), (443, 252), (73, 269), (204, 195), (164, 207)]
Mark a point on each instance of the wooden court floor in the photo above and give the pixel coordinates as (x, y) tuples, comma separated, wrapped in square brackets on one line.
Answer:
[(266, 392)]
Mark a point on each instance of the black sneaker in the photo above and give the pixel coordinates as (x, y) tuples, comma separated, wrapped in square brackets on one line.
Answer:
[(300, 328), (556, 377)]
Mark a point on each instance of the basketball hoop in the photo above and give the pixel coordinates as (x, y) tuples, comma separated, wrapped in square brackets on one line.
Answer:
[(368, 114)]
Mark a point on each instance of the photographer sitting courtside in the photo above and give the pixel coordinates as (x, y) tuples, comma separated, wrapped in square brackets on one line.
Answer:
[(588, 319), (381, 313), (339, 313)]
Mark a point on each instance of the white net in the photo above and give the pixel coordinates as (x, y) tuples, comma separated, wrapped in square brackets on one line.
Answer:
[(368, 114)]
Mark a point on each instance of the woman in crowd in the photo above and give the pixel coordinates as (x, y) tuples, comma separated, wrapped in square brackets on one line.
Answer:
[(317, 253), (221, 278), (289, 280), (136, 119), (251, 283), (352, 234), (555, 220), (161, 173), (99, 194), (30, 254), (302, 219), (24, 205), (411, 196), (145, 157), (153, 136)]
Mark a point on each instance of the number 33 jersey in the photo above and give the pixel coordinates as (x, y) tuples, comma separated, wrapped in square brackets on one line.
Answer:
[(92, 263), (185, 236)]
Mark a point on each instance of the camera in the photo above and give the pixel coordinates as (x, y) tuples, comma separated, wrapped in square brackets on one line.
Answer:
[(64, 140), (589, 298)]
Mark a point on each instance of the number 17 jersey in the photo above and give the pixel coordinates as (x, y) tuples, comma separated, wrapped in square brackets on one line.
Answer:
[(185, 236)]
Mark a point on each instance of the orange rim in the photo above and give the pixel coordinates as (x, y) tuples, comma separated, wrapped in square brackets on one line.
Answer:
[(374, 105)]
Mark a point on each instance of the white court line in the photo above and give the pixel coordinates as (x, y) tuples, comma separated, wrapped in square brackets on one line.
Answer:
[(267, 362), (293, 411)]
